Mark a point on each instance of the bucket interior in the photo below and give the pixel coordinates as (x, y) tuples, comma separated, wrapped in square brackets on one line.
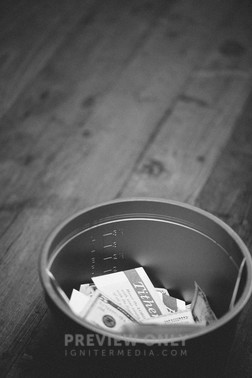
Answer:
[(174, 244)]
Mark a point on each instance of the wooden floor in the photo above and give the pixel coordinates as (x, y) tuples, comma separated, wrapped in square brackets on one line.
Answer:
[(107, 99)]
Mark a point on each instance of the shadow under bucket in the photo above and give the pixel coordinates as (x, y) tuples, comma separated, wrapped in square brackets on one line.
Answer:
[(176, 244)]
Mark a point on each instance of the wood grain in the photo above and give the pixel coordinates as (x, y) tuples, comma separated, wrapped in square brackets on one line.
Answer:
[(227, 194), (31, 32), (178, 162), (106, 99)]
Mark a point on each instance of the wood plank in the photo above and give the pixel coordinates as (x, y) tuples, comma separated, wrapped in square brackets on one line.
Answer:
[(133, 117), (56, 105), (30, 34), (24, 211), (228, 195), (192, 134)]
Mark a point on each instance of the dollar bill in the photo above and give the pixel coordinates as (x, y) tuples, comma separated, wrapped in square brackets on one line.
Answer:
[(103, 312), (200, 307), (183, 317), (120, 299), (132, 290)]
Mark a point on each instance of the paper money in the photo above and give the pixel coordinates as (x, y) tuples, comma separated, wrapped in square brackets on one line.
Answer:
[(132, 290), (103, 312), (172, 304), (120, 299), (183, 317), (200, 307)]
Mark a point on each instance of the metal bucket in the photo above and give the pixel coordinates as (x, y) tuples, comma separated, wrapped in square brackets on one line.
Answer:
[(176, 244)]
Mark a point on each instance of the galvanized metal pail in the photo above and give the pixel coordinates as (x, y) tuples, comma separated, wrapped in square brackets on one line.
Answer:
[(176, 244)]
